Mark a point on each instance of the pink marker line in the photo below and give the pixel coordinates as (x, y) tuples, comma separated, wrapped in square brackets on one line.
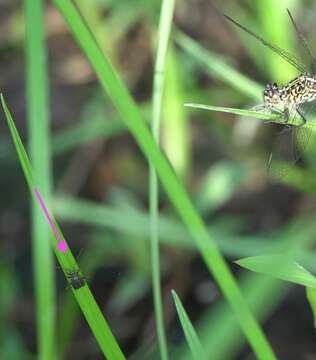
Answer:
[(61, 245)]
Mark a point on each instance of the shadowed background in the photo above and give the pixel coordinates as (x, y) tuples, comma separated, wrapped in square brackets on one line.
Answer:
[(100, 178)]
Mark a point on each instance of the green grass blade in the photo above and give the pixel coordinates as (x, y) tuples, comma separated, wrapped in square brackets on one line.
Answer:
[(176, 125), (296, 177), (311, 297), (132, 222), (279, 267), (227, 341), (241, 112), (310, 123), (39, 144), (25, 163), (165, 24), (85, 299), (264, 296), (193, 341), (127, 108), (218, 67), (69, 319)]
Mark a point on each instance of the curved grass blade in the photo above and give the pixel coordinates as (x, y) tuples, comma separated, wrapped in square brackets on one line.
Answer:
[(261, 115), (311, 297), (84, 297), (129, 111), (193, 341), (288, 147), (242, 112), (279, 267), (121, 98)]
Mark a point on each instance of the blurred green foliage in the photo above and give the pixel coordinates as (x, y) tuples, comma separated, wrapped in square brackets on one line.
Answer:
[(221, 159)]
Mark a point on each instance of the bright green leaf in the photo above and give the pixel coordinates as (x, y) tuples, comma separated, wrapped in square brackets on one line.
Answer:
[(311, 297), (279, 267), (84, 297), (193, 341)]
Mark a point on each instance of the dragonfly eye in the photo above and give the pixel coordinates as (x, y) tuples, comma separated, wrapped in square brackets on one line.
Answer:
[(271, 90), (268, 90)]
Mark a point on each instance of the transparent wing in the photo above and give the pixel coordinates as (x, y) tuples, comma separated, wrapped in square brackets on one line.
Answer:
[(260, 108), (289, 145), (291, 59), (305, 137), (281, 158), (302, 39), (301, 139)]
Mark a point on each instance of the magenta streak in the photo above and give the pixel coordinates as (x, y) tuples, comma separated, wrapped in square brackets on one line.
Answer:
[(47, 215)]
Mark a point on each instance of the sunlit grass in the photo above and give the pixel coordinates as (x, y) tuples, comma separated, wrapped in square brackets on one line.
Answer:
[(83, 295), (38, 119), (113, 228), (130, 114), (165, 25)]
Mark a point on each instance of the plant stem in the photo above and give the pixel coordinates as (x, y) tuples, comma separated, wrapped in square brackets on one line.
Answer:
[(39, 145), (164, 33)]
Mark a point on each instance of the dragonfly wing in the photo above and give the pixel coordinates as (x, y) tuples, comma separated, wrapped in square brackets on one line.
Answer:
[(289, 146), (302, 39), (301, 139), (291, 59), (281, 158), (260, 108), (304, 136)]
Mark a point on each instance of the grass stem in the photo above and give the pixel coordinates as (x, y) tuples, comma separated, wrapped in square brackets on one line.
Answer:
[(39, 145), (165, 24)]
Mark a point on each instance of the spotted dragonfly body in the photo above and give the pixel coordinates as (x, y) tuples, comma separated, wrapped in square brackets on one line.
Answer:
[(301, 90), (289, 101), (288, 98)]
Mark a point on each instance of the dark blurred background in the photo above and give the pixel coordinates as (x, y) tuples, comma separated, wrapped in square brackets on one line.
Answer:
[(101, 178)]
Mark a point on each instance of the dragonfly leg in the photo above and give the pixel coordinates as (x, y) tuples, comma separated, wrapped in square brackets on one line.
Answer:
[(274, 111), (286, 114), (302, 116)]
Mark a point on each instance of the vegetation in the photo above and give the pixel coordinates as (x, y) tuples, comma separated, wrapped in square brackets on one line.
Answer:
[(153, 165)]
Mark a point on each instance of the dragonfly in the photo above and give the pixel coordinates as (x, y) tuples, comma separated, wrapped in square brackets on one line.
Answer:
[(293, 100)]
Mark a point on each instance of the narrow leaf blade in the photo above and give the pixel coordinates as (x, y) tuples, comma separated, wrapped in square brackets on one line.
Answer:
[(262, 115), (193, 341), (84, 297), (279, 267), (25, 163), (311, 297)]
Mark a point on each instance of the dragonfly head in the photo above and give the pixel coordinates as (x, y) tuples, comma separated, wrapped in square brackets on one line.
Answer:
[(272, 96)]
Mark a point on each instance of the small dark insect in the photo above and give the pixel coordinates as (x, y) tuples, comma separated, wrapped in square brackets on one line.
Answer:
[(76, 280)]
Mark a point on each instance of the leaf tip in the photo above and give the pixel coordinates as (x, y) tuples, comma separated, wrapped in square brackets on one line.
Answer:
[(2, 99), (175, 297)]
